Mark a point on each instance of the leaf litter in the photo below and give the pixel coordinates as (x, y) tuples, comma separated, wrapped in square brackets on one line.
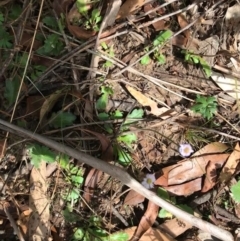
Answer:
[(144, 138)]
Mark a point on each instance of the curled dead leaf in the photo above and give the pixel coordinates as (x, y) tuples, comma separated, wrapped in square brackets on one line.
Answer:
[(128, 7), (187, 188)]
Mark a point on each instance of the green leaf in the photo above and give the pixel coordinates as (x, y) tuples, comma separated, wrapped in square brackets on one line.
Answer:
[(123, 157), (104, 45), (41, 153), (37, 71), (5, 39), (50, 22), (103, 116), (1, 18), (21, 60), (69, 216), (185, 208), (160, 58), (206, 67), (79, 234), (63, 161), (163, 213), (101, 103), (119, 236), (72, 195), (11, 90), (95, 13), (62, 119), (117, 114), (206, 106), (162, 38), (82, 6), (235, 190), (128, 139), (161, 192), (52, 46), (145, 60), (135, 114), (77, 179), (15, 12)]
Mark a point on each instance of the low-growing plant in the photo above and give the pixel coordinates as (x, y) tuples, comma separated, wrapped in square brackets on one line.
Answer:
[(91, 21), (163, 213), (123, 145), (206, 106), (73, 176), (192, 58), (159, 41), (110, 52), (235, 192)]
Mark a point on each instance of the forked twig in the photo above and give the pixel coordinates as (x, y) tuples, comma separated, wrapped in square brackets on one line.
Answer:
[(124, 177)]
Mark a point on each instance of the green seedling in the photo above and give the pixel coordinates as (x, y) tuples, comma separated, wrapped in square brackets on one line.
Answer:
[(206, 106), (235, 192), (159, 42), (110, 52), (6, 38), (52, 46), (125, 140), (101, 103), (192, 58), (94, 232), (40, 153), (73, 176), (92, 21), (50, 22), (11, 90), (163, 213), (62, 119)]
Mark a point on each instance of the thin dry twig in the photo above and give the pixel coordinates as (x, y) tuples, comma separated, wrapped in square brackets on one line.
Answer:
[(13, 223), (124, 177)]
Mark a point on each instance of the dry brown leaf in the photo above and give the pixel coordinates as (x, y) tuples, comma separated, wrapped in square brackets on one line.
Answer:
[(152, 234), (147, 220), (211, 176), (183, 23), (187, 188), (129, 6), (80, 32), (39, 204), (195, 166), (90, 184), (231, 164), (161, 24), (107, 148), (175, 227), (145, 101), (214, 147), (133, 198), (49, 103)]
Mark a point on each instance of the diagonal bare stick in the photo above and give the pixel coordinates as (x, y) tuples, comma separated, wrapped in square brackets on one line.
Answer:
[(123, 176)]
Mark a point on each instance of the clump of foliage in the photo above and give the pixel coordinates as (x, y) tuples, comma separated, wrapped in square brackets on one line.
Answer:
[(192, 58), (206, 106), (159, 41)]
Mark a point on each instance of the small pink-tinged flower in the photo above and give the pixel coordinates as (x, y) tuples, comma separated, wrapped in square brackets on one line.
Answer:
[(185, 150), (148, 181)]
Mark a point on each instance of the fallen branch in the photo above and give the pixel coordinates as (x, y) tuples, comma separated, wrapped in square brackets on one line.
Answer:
[(124, 177)]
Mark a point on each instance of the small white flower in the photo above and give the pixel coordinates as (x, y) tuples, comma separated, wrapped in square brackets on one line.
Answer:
[(185, 150), (148, 181)]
